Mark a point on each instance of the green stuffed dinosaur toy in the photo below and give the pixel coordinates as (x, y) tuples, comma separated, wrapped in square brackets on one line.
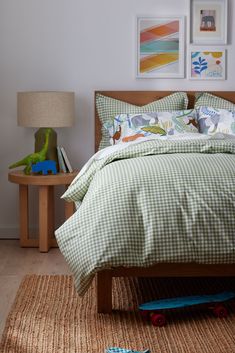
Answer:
[(34, 157)]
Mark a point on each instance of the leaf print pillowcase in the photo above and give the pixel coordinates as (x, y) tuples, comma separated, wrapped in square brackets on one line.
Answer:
[(130, 127), (212, 121)]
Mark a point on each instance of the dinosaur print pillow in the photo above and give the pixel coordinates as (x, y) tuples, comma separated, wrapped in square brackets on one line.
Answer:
[(130, 127), (212, 121)]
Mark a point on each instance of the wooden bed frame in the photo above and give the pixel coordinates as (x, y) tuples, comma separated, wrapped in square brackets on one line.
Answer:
[(104, 277)]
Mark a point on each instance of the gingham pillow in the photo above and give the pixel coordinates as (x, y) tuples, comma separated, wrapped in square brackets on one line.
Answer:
[(204, 99), (108, 108)]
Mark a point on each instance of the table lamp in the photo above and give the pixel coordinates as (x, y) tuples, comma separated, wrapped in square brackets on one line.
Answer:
[(46, 109)]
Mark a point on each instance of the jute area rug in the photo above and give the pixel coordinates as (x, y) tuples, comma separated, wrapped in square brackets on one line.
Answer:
[(49, 317)]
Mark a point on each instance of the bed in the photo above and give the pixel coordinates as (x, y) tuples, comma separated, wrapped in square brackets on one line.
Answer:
[(161, 269)]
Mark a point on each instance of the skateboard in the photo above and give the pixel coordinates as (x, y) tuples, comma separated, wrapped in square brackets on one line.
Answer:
[(122, 350), (152, 310)]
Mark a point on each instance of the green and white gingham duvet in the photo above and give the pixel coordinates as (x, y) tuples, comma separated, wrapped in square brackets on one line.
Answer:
[(156, 201)]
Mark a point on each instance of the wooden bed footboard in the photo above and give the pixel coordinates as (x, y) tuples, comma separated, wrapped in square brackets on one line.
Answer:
[(104, 278)]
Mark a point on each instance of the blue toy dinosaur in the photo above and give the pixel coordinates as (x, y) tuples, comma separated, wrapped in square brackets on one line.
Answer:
[(44, 167)]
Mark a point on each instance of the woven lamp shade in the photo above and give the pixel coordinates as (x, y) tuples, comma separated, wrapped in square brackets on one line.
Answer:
[(45, 109)]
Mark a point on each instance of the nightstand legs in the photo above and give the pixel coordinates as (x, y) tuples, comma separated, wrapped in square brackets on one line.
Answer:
[(24, 211), (51, 213), (46, 217)]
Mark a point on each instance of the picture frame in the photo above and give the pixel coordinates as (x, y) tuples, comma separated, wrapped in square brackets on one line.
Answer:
[(160, 47), (208, 22), (207, 65)]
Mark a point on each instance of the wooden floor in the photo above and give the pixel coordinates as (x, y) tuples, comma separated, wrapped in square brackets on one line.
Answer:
[(15, 262)]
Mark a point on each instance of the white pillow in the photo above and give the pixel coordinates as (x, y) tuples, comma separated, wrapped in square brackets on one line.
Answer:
[(212, 121), (130, 127)]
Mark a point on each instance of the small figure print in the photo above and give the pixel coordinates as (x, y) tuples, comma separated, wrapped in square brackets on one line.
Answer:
[(117, 135), (132, 138), (154, 129), (208, 21), (193, 122)]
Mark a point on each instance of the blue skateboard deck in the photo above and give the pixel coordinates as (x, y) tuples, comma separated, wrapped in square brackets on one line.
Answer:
[(123, 350), (181, 302)]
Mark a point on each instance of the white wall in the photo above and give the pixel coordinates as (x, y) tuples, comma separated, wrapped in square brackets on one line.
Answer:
[(78, 45)]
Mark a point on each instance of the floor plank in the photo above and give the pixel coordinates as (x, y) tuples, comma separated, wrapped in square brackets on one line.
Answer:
[(16, 262), (9, 286)]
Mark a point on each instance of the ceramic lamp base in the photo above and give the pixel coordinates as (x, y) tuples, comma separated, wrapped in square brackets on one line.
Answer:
[(40, 140)]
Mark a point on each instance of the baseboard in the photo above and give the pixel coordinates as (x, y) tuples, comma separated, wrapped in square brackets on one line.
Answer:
[(12, 232)]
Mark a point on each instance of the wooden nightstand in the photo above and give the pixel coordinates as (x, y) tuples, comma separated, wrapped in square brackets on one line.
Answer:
[(46, 185)]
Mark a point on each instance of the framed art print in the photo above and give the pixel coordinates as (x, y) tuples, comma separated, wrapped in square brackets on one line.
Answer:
[(208, 22), (160, 47), (207, 65)]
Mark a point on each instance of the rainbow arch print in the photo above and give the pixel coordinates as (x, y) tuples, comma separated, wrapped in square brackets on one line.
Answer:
[(160, 47)]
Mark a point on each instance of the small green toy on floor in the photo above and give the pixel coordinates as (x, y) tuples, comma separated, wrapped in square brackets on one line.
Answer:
[(34, 157)]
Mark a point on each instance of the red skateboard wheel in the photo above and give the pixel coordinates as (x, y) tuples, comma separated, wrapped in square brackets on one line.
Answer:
[(145, 314), (220, 311), (158, 319)]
